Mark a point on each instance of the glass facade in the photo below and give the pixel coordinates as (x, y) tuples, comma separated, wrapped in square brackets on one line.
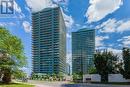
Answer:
[(83, 48), (48, 41)]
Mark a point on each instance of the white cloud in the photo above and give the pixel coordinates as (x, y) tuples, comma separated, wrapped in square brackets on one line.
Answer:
[(99, 40), (125, 41), (98, 9), (119, 40), (112, 25), (4, 24), (68, 35), (125, 26), (110, 49), (17, 8), (84, 26), (27, 26), (68, 20), (61, 1), (77, 25), (116, 51), (38, 5), (64, 4), (108, 26), (27, 8)]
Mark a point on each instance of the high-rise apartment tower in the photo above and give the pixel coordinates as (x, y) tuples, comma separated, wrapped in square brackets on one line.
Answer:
[(48, 41)]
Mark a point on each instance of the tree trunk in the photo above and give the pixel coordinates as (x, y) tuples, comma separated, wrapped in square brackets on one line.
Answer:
[(104, 78), (7, 76), (1, 74)]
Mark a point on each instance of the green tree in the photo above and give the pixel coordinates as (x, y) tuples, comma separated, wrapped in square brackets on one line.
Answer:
[(92, 70), (125, 71), (104, 63), (60, 76), (78, 77), (54, 76), (75, 76), (11, 54), (19, 74)]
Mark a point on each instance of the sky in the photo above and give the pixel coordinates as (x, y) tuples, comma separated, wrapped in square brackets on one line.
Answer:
[(110, 19)]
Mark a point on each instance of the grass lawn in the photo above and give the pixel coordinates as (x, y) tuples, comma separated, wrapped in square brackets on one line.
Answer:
[(16, 85)]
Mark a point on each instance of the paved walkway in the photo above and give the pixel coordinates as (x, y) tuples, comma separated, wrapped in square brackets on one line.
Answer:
[(66, 84), (47, 84)]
